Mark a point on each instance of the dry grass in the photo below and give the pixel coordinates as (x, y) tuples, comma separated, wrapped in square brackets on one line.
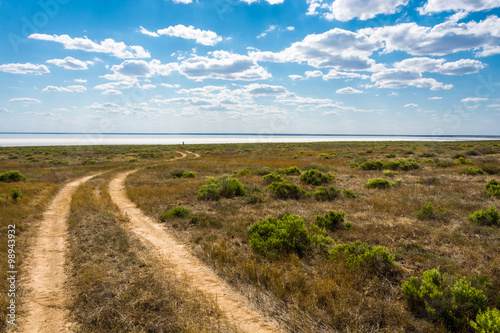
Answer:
[(312, 294), (115, 284)]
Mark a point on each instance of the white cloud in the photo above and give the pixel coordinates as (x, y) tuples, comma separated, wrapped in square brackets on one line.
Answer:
[(493, 106), (25, 100), (43, 114), (71, 63), (438, 6), (81, 80), (290, 28), (112, 92), (204, 37), (295, 77), (168, 85), (335, 74), (421, 65), (271, 2), (223, 65), (435, 98), (257, 89), (5, 110), (397, 79), (348, 91), (410, 105), (140, 68), (313, 73), (125, 84), (474, 100), (117, 49), (337, 48), (442, 39), (183, 1), (27, 68), (264, 34), (346, 10), (75, 88)]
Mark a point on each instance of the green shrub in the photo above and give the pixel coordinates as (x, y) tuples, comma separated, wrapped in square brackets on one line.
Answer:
[(379, 183), (326, 193), (490, 169), (317, 166), (244, 172), (224, 186), (87, 162), (492, 183), (284, 190), (390, 173), (289, 171), (15, 194), (372, 165), (133, 160), (151, 155), (473, 171), (487, 321), (178, 212), (189, 174), (11, 176), (462, 160), (327, 156), (262, 171), (451, 300), (349, 194), (445, 164), (177, 173), (490, 216), (272, 237), (331, 220), (272, 177), (431, 213), (391, 155), (402, 164), (315, 177), (361, 255)]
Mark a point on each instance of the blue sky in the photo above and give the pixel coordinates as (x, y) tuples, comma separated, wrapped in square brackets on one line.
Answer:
[(251, 66)]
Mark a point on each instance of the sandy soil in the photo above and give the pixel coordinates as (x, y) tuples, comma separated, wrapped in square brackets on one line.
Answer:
[(177, 255), (45, 309)]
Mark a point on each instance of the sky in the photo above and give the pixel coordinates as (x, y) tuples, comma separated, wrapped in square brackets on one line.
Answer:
[(394, 67)]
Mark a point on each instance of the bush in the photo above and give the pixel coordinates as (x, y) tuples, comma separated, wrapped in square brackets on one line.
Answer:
[(327, 156), (316, 177), (177, 173), (349, 194), (390, 173), (189, 174), (151, 155), (326, 193), (487, 321), (402, 164), (244, 172), (490, 169), (490, 216), (224, 186), (372, 165), (86, 162), (272, 177), (445, 164), (473, 171), (284, 190), (492, 183), (178, 212), (262, 171), (272, 237), (15, 194), (11, 176), (431, 213), (379, 183), (447, 299), (331, 220), (361, 255), (318, 166), (133, 160), (462, 160)]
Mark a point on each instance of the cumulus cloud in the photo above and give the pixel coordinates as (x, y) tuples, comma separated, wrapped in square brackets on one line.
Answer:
[(346, 10), (348, 91), (140, 68), (474, 100), (410, 105), (111, 92), (257, 89), (75, 88), (81, 80), (335, 74), (71, 63), (421, 65), (204, 37), (438, 6), (442, 39), (337, 48), (435, 98), (124, 84), (27, 68), (271, 2), (25, 100), (168, 85), (109, 46), (396, 79), (223, 65)]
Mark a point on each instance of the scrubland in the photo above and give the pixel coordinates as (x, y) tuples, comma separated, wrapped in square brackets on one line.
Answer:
[(412, 220)]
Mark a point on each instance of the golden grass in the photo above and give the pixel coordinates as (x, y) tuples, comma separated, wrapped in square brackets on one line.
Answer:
[(312, 294)]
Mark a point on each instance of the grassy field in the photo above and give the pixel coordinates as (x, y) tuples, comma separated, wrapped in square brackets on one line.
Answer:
[(418, 216)]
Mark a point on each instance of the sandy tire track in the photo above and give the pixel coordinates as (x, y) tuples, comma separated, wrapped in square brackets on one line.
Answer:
[(45, 308), (236, 307)]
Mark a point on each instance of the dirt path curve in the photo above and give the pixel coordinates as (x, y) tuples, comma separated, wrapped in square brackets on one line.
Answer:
[(45, 298), (184, 263)]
